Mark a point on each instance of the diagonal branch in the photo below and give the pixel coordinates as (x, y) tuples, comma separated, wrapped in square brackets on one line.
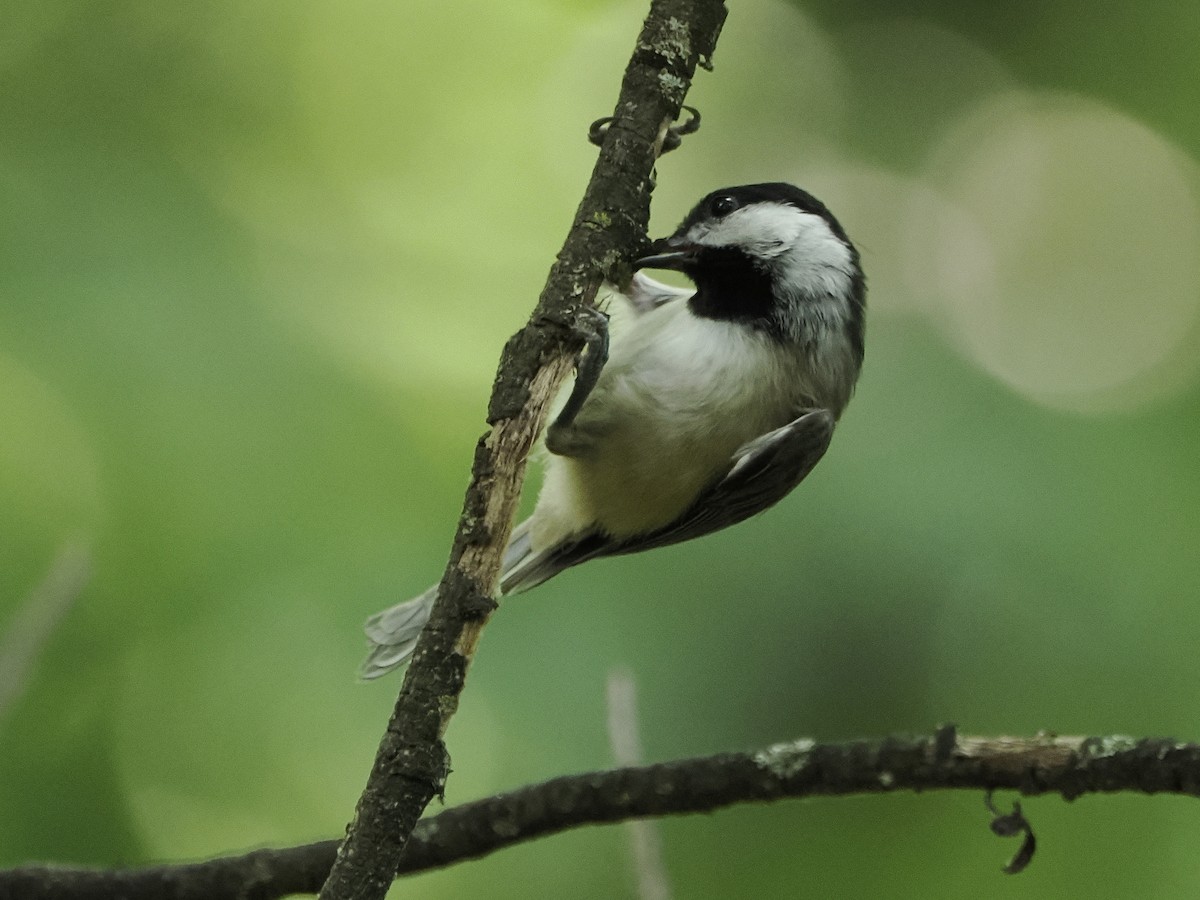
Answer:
[(1045, 764), (610, 225)]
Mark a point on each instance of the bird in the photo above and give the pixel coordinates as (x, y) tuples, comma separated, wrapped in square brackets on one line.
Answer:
[(691, 409)]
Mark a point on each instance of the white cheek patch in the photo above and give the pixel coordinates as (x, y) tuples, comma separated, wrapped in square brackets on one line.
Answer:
[(776, 232), (763, 230), (803, 254), (817, 261)]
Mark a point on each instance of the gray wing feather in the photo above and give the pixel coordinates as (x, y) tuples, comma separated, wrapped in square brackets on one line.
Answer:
[(645, 294), (533, 570)]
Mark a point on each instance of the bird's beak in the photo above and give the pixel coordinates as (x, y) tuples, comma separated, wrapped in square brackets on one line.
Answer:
[(669, 253)]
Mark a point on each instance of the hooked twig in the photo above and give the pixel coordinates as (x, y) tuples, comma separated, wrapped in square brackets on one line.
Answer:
[(1010, 825)]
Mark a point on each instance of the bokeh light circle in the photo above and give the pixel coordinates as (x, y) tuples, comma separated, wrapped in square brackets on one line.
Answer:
[(1069, 269)]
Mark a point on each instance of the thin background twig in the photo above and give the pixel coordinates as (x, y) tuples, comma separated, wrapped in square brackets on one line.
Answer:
[(26, 634), (645, 839)]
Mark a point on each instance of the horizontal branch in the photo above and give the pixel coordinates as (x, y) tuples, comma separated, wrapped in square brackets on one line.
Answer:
[(1044, 764)]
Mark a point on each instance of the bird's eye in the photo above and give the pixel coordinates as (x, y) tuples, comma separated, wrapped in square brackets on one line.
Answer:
[(723, 205)]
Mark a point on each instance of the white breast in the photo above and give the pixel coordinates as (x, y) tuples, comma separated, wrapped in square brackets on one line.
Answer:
[(678, 396)]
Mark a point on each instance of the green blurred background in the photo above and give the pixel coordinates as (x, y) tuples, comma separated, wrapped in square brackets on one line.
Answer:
[(257, 262)]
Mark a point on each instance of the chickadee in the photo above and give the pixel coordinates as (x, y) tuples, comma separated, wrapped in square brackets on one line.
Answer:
[(712, 405)]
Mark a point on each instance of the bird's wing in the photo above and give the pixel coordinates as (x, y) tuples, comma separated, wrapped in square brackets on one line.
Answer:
[(760, 474), (645, 294)]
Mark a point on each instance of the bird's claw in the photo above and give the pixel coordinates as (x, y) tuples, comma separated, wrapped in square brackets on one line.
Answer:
[(675, 134), (671, 139), (592, 324)]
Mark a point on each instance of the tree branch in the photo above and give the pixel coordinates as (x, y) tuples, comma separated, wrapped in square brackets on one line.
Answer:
[(1044, 764), (610, 226)]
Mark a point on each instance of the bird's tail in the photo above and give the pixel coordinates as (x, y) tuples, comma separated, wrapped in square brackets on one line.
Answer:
[(392, 634)]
